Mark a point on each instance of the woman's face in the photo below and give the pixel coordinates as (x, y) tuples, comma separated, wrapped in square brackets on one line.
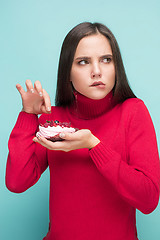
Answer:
[(93, 70)]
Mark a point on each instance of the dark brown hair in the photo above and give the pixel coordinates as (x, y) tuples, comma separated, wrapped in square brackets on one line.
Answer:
[(64, 93)]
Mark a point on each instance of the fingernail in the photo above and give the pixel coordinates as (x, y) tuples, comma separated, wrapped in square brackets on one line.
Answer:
[(39, 138), (62, 135), (48, 109), (32, 90), (40, 94)]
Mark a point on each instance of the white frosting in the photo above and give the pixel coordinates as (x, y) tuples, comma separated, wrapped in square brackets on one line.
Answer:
[(53, 131)]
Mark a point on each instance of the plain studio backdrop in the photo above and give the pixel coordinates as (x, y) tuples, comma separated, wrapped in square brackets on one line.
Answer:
[(31, 35)]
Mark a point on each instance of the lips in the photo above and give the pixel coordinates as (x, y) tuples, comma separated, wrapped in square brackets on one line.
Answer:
[(97, 83)]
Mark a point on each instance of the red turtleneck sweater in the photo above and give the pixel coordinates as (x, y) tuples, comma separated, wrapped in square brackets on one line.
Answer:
[(93, 193)]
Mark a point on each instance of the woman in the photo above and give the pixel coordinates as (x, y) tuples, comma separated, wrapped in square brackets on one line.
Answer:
[(102, 173)]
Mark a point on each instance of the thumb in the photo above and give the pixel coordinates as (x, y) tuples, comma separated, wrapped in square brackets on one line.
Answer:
[(66, 136)]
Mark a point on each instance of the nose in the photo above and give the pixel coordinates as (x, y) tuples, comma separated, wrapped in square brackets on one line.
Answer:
[(96, 71)]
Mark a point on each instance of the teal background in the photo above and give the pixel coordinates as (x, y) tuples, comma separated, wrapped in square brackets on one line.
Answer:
[(31, 34)]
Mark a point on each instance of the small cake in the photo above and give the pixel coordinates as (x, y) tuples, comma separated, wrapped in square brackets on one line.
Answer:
[(51, 130)]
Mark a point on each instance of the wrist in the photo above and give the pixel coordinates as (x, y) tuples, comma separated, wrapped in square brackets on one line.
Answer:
[(23, 110), (93, 142)]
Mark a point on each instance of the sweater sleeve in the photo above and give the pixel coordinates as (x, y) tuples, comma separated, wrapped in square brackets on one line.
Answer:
[(137, 179), (27, 160)]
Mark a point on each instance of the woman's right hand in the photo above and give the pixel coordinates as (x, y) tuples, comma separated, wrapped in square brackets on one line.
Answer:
[(35, 100)]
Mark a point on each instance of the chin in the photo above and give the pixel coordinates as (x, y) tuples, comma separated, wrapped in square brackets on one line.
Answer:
[(97, 96)]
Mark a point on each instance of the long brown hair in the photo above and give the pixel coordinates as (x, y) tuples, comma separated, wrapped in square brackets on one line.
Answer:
[(64, 92)]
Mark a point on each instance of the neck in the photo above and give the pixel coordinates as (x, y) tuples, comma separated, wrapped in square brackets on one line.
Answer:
[(86, 108)]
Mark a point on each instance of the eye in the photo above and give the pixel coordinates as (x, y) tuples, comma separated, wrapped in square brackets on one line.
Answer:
[(83, 62), (107, 60)]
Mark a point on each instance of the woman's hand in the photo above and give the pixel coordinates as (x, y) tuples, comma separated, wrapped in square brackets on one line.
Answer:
[(35, 100), (80, 139)]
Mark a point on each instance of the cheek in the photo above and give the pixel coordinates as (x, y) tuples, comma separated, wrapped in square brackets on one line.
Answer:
[(77, 83), (74, 78), (77, 77), (111, 74), (74, 75)]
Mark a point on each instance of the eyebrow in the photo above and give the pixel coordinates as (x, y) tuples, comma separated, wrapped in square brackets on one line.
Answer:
[(87, 58)]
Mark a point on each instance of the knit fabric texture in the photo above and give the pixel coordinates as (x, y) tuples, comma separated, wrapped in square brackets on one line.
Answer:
[(94, 193)]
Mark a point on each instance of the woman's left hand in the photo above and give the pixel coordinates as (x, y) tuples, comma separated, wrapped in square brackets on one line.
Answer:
[(72, 141)]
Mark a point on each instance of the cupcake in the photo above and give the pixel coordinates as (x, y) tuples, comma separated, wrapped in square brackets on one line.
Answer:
[(51, 130)]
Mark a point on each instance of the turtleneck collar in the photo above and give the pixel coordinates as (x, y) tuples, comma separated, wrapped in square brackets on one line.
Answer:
[(86, 108)]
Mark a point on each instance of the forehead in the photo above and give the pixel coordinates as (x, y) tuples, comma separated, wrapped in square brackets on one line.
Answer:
[(93, 45)]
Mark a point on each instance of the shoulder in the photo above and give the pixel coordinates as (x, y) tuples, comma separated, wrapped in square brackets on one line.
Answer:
[(134, 105), (135, 110)]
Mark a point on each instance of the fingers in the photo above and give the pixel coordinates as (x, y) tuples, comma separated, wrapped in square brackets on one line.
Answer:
[(42, 93), (68, 136), (20, 89), (49, 144), (41, 141), (76, 136), (81, 139), (29, 85), (47, 101), (36, 97), (72, 141), (38, 88)]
